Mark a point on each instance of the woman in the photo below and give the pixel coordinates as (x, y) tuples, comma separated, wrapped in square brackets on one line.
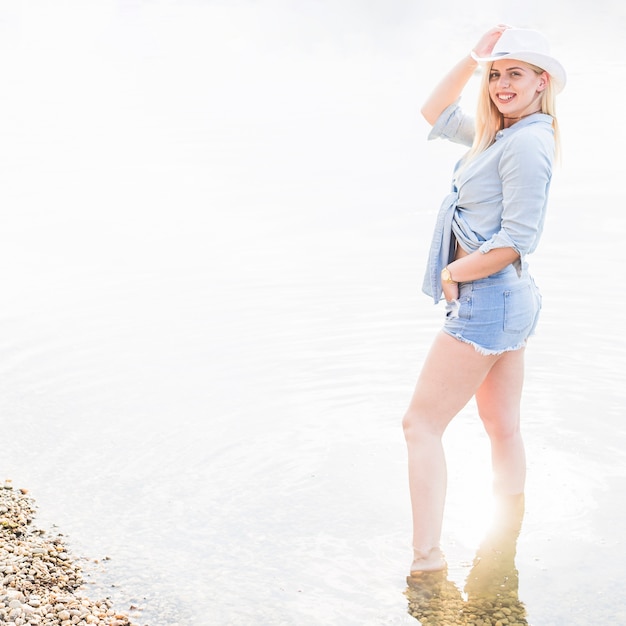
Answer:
[(486, 226)]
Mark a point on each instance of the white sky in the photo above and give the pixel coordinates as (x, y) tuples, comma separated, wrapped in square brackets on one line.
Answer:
[(141, 111)]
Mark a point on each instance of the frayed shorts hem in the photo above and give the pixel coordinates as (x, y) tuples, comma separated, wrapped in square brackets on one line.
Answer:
[(481, 349)]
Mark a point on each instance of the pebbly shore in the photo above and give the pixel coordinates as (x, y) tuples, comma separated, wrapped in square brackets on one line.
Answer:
[(41, 584)]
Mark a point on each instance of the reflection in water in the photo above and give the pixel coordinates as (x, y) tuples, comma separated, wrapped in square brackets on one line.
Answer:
[(491, 587), (435, 600)]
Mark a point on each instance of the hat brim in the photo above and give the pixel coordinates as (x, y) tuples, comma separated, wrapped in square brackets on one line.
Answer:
[(549, 64)]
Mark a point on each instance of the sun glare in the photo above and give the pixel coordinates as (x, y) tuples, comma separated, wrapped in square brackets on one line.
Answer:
[(469, 503)]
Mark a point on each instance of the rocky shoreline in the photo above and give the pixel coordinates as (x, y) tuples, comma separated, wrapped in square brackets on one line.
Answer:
[(40, 583)]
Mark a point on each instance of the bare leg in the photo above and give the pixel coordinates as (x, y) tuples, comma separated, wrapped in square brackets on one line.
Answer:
[(451, 374), (498, 400)]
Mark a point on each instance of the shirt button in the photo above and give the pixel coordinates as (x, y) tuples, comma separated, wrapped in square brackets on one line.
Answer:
[(499, 134)]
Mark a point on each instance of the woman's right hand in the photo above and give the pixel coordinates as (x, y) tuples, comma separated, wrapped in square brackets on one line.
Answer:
[(484, 47)]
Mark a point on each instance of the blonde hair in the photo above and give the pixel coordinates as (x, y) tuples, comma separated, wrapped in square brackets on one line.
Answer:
[(489, 120)]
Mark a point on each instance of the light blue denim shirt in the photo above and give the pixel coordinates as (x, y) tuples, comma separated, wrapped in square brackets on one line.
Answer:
[(499, 199)]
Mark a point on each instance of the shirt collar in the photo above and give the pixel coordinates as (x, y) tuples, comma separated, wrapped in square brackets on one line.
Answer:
[(525, 121)]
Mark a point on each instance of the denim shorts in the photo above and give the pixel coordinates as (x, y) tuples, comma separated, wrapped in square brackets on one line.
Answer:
[(495, 314)]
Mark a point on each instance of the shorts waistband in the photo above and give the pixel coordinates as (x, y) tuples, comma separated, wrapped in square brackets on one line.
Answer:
[(504, 276)]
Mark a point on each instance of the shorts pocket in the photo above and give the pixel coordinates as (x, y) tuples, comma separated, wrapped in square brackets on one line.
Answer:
[(465, 307), (519, 309)]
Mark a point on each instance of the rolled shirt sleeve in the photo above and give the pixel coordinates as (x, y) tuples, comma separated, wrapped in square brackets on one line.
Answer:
[(525, 169), (455, 125)]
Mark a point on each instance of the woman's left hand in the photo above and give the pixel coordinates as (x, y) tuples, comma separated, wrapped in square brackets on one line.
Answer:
[(450, 290)]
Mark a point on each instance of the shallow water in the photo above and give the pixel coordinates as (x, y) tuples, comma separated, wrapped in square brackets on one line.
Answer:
[(211, 317)]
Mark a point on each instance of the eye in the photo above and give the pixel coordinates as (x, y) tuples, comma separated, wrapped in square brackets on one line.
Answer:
[(493, 75)]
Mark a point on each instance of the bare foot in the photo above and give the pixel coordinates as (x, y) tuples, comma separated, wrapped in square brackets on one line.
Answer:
[(433, 561)]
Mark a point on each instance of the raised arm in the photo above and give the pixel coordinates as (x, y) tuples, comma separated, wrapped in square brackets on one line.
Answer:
[(450, 88)]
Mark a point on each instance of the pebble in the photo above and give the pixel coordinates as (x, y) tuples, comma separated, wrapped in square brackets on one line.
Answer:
[(40, 584), (491, 597)]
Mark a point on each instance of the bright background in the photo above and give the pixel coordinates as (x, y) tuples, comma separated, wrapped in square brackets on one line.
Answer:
[(213, 226)]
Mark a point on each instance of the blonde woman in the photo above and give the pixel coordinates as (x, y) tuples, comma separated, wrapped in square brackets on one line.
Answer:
[(486, 226)]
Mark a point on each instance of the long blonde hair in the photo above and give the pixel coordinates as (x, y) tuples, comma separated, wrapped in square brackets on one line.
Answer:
[(489, 120)]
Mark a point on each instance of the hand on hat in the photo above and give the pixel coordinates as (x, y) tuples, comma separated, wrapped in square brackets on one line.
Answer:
[(485, 46)]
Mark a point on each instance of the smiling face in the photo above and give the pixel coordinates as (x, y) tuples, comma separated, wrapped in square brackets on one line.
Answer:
[(515, 88)]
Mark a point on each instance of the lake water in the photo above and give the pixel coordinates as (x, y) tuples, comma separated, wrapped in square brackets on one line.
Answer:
[(213, 232)]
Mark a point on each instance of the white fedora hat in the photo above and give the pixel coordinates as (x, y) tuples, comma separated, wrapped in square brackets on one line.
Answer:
[(530, 46)]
